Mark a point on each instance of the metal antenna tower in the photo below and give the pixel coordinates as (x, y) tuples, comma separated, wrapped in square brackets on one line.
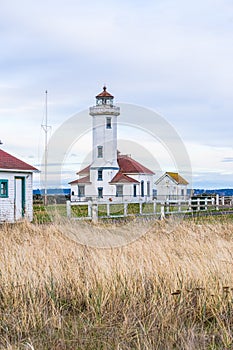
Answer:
[(46, 129)]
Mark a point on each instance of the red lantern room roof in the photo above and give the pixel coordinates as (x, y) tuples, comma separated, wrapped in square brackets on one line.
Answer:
[(104, 93)]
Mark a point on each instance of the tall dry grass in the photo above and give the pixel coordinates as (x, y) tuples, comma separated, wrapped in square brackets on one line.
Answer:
[(167, 290)]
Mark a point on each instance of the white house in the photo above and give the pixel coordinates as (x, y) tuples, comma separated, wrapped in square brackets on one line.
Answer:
[(111, 176), (16, 200), (171, 186)]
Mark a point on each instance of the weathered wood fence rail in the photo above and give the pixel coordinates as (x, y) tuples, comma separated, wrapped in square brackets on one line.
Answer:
[(93, 210)]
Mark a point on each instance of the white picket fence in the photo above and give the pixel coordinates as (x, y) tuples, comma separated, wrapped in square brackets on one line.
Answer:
[(94, 210)]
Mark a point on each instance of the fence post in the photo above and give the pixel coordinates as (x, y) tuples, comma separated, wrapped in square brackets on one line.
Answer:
[(206, 204), (198, 204), (89, 208), (68, 209), (94, 213), (179, 205), (223, 201), (140, 208), (190, 204), (154, 206), (162, 211), (108, 209), (125, 209), (217, 201)]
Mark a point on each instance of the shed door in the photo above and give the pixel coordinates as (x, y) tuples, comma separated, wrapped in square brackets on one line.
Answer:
[(19, 197)]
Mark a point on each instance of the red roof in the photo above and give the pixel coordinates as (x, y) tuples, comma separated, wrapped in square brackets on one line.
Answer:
[(83, 180), (104, 93), (130, 166), (127, 166), (84, 171), (9, 162), (122, 178)]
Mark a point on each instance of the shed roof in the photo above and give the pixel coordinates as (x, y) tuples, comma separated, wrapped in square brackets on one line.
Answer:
[(9, 162)]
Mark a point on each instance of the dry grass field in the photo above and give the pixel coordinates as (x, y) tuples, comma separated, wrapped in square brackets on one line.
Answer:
[(170, 289)]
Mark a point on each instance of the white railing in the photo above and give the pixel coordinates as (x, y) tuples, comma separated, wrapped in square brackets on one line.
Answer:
[(143, 206)]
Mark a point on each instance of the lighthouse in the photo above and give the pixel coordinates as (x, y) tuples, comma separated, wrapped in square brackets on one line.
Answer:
[(111, 176), (104, 142)]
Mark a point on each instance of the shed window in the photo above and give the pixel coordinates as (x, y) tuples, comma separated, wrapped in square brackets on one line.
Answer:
[(3, 188)]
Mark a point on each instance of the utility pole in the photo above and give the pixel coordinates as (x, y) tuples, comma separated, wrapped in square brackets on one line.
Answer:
[(46, 129)]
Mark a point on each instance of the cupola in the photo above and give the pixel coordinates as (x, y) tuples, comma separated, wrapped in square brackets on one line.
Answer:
[(104, 98)]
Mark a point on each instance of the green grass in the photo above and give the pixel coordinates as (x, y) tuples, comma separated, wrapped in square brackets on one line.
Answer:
[(79, 211), (133, 208)]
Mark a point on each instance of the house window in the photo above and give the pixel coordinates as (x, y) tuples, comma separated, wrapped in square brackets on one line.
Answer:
[(142, 188), (100, 152), (182, 192), (100, 175), (108, 123), (3, 188), (148, 188), (81, 190), (119, 190), (100, 192), (135, 190)]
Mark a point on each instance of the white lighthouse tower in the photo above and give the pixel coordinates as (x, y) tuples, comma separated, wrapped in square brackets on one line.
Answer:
[(104, 151), (111, 176)]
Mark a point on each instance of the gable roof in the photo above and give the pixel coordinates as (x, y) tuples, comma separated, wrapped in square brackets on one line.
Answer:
[(127, 166), (178, 178), (9, 162), (83, 180), (84, 171), (122, 178), (175, 177), (130, 166)]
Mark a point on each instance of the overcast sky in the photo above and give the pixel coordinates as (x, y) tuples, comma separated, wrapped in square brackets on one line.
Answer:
[(174, 57)]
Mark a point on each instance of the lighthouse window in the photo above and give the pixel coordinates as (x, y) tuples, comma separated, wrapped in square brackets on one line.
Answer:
[(100, 175), (119, 190), (100, 192), (142, 188), (81, 191), (108, 123), (148, 188), (135, 190), (100, 151)]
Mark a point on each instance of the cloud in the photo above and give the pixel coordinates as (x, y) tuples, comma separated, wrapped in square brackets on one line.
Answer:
[(175, 57), (227, 160)]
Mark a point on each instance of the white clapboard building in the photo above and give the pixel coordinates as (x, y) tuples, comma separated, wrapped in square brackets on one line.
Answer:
[(171, 185), (16, 198), (111, 176)]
